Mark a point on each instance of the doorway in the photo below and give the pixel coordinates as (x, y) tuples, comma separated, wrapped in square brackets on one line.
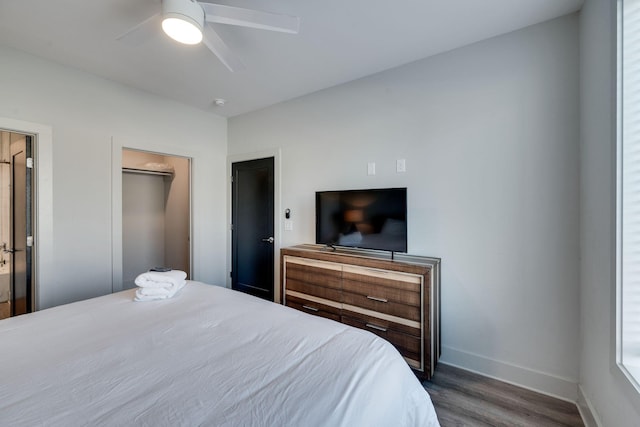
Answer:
[(156, 213), (16, 224), (252, 235)]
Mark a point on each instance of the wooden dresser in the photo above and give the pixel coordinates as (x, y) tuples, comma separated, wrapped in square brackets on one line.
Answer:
[(396, 299)]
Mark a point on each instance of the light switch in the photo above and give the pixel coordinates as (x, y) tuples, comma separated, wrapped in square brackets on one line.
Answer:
[(288, 225), (401, 165), (371, 168)]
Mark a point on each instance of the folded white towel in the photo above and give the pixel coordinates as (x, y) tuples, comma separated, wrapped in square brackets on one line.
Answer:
[(151, 294), (157, 279), (161, 291)]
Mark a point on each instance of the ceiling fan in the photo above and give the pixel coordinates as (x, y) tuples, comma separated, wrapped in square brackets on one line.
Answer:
[(186, 21)]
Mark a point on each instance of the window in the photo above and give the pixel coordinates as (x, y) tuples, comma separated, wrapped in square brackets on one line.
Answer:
[(628, 245)]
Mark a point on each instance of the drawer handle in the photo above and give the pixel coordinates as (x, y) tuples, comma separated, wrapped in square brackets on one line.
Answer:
[(376, 327), (377, 299), (308, 307)]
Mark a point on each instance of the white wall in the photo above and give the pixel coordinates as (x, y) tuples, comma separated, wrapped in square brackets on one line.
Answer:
[(177, 231), (603, 390), (490, 137), (85, 113)]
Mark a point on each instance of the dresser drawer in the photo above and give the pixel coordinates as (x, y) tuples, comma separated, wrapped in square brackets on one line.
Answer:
[(392, 293), (406, 339), (376, 302), (387, 278), (316, 307), (382, 291), (312, 277)]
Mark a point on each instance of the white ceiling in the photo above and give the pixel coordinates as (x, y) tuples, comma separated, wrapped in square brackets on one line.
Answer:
[(339, 41)]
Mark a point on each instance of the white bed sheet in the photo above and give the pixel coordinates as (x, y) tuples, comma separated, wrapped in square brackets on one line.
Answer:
[(210, 356)]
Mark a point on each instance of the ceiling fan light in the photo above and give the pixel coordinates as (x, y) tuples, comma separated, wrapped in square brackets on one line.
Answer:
[(182, 30), (182, 20)]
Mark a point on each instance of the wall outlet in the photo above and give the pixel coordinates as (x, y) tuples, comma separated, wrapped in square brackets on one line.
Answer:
[(288, 225)]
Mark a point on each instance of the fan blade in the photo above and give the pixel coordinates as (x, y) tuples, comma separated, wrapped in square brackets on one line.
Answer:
[(141, 32), (221, 14), (215, 44)]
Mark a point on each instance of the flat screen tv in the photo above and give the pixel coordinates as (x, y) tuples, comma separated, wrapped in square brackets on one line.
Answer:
[(368, 219)]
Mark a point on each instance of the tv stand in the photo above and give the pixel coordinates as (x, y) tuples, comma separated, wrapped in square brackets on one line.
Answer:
[(397, 299)]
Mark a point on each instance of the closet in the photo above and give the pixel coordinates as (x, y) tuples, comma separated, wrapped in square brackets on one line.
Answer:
[(155, 213)]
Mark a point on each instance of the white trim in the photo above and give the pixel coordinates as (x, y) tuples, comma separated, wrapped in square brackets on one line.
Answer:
[(617, 244), (116, 200), (587, 412), (43, 201), (541, 382), (277, 211)]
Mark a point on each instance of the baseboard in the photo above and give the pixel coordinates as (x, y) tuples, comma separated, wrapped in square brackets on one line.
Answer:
[(586, 410), (541, 382)]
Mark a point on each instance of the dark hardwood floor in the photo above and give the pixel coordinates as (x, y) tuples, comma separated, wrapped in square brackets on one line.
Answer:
[(463, 398)]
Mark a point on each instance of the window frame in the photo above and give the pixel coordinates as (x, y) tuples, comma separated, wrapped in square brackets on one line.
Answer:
[(631, 377)]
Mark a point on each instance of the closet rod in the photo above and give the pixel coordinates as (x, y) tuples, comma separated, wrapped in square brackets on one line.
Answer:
[(146, 172)]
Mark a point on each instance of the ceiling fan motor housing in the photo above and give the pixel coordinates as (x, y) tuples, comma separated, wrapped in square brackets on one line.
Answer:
[(184, 10)]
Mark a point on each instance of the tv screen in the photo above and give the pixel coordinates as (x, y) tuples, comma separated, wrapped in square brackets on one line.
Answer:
[(369, 219)]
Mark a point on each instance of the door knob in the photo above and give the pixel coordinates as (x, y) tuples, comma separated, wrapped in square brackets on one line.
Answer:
[(269, 239)]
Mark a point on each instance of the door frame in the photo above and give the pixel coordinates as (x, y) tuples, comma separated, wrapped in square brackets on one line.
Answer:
[(277, 223), (117, 144), (21, 220), (42, 199)]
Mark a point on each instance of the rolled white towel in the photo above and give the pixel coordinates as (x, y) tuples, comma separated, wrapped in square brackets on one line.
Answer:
[(157, 279), (151, 294)]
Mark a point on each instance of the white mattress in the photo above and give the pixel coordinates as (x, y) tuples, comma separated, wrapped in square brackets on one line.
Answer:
[(210, 356)]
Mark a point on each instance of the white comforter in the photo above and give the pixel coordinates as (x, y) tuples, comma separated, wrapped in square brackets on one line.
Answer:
[(210, 356)]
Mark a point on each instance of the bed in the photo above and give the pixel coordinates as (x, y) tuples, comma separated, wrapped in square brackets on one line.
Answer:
[(209, 356)]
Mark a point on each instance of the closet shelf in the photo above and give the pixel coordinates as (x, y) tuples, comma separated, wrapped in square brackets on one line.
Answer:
[(147, 172)]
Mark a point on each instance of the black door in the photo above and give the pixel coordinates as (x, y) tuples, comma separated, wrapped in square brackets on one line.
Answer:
[(252, 227)]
